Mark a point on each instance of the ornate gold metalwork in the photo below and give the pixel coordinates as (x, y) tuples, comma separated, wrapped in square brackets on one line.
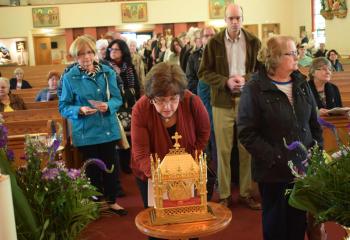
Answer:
[(179, 186)]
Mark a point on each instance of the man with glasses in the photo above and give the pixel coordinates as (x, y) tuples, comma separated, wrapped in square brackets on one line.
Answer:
[(227, 61)]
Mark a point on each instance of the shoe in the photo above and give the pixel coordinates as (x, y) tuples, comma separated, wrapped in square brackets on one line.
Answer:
[(120, 212), (250, 202), (227, 202)]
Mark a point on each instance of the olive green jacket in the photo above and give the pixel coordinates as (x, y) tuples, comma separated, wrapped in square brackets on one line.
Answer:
[(214, 69)]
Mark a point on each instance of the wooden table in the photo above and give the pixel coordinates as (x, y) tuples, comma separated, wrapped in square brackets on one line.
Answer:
[(185, 230)]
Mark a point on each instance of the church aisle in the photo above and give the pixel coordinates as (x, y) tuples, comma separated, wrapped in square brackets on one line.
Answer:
[(245, 224)]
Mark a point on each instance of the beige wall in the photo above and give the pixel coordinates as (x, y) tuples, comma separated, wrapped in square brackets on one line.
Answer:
[(17, 21), (338, 33), (159, 11)]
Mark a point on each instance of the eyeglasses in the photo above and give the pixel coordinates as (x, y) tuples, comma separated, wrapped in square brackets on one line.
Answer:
[(291, 53), (113, 49), (162, 102), (80, 54)]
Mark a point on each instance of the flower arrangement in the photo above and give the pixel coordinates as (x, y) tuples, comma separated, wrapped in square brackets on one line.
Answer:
[(52, 202), (322, 184)]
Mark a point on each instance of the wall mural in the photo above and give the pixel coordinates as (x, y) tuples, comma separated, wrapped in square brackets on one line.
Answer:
[(331, 8), (46, 17), (134, 12)]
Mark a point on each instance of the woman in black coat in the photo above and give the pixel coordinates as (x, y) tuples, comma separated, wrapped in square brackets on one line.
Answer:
[(277, 105), (18, 82), (326, 94)]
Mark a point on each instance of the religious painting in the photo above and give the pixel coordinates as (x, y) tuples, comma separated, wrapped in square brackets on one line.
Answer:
[(134, 12), (217, 8), (46, 17), (331, 8)]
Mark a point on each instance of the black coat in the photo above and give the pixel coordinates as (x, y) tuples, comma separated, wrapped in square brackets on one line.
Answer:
[(13, 84), (331, 91), (192, 69), (266, 117)]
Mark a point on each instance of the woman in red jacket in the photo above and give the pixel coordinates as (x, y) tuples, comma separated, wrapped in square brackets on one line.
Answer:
[(167, 107)]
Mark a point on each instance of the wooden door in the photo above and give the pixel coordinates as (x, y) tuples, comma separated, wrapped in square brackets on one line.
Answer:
[(42, 48)]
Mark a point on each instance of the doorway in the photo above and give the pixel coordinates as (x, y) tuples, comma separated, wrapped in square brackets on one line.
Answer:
[(42, 50)]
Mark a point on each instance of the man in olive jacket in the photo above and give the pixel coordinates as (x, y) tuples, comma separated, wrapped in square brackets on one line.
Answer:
[(228, 60)]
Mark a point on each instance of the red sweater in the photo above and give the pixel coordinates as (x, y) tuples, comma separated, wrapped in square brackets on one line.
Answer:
[(149, 136)]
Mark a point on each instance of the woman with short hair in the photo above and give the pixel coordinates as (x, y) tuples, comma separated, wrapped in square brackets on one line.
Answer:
[(277, 105), (167, 107), (90, 99), (332, 56), (326, 94), (9, 102), (18, 82), (50, 93)]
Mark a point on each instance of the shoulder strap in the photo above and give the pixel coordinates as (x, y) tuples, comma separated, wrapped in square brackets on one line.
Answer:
[(191, 104), (108, 93)]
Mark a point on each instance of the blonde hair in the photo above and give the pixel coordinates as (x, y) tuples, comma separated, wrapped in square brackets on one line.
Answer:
[(271, 53), (18, 70), (6, 81), (81, 42)]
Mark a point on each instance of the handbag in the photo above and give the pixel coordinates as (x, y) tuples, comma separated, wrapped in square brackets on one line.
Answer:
[(124, 113), (123, 142)]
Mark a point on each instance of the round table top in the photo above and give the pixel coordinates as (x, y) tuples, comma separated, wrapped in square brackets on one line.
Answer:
[(185, 230)]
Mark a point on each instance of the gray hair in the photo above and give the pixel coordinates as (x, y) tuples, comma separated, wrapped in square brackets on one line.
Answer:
[(318, 63)]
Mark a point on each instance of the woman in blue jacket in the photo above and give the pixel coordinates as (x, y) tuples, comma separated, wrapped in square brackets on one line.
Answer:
[(90, 99)]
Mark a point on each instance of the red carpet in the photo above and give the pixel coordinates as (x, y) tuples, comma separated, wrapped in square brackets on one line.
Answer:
[(245, 224)]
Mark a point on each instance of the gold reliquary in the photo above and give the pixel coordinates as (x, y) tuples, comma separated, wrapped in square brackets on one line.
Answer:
[(179, 187)]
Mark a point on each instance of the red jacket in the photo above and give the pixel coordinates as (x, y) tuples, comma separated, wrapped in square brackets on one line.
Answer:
[(149, 136)]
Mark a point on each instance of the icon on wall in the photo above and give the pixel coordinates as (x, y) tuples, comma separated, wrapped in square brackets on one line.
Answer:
[(20, 46), (217, 8), (134, 12), (46, 17)]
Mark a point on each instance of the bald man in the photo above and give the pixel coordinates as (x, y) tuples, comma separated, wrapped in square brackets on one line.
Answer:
[(228, 59)]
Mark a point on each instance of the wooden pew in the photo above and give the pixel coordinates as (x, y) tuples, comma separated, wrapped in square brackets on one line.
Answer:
[(341, 123), (34, 114), (35, 75), (42, 105), (35, 121)]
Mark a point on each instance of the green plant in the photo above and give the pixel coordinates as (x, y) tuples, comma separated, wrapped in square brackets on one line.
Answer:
[(51, 202), (323, 189), (59, 197)]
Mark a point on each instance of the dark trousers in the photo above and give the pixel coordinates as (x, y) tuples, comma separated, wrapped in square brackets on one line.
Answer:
[(104, 182), (280, 220)]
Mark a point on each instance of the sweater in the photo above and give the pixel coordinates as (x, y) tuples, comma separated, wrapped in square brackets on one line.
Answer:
[(150, 136)]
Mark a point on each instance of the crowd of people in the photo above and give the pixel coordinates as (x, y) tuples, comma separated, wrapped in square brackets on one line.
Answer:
[(214, 88)]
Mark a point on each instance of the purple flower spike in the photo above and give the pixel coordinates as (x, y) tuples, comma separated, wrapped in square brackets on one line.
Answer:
[(55, 145), (3, 136), (99, 163), (326, 124)]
